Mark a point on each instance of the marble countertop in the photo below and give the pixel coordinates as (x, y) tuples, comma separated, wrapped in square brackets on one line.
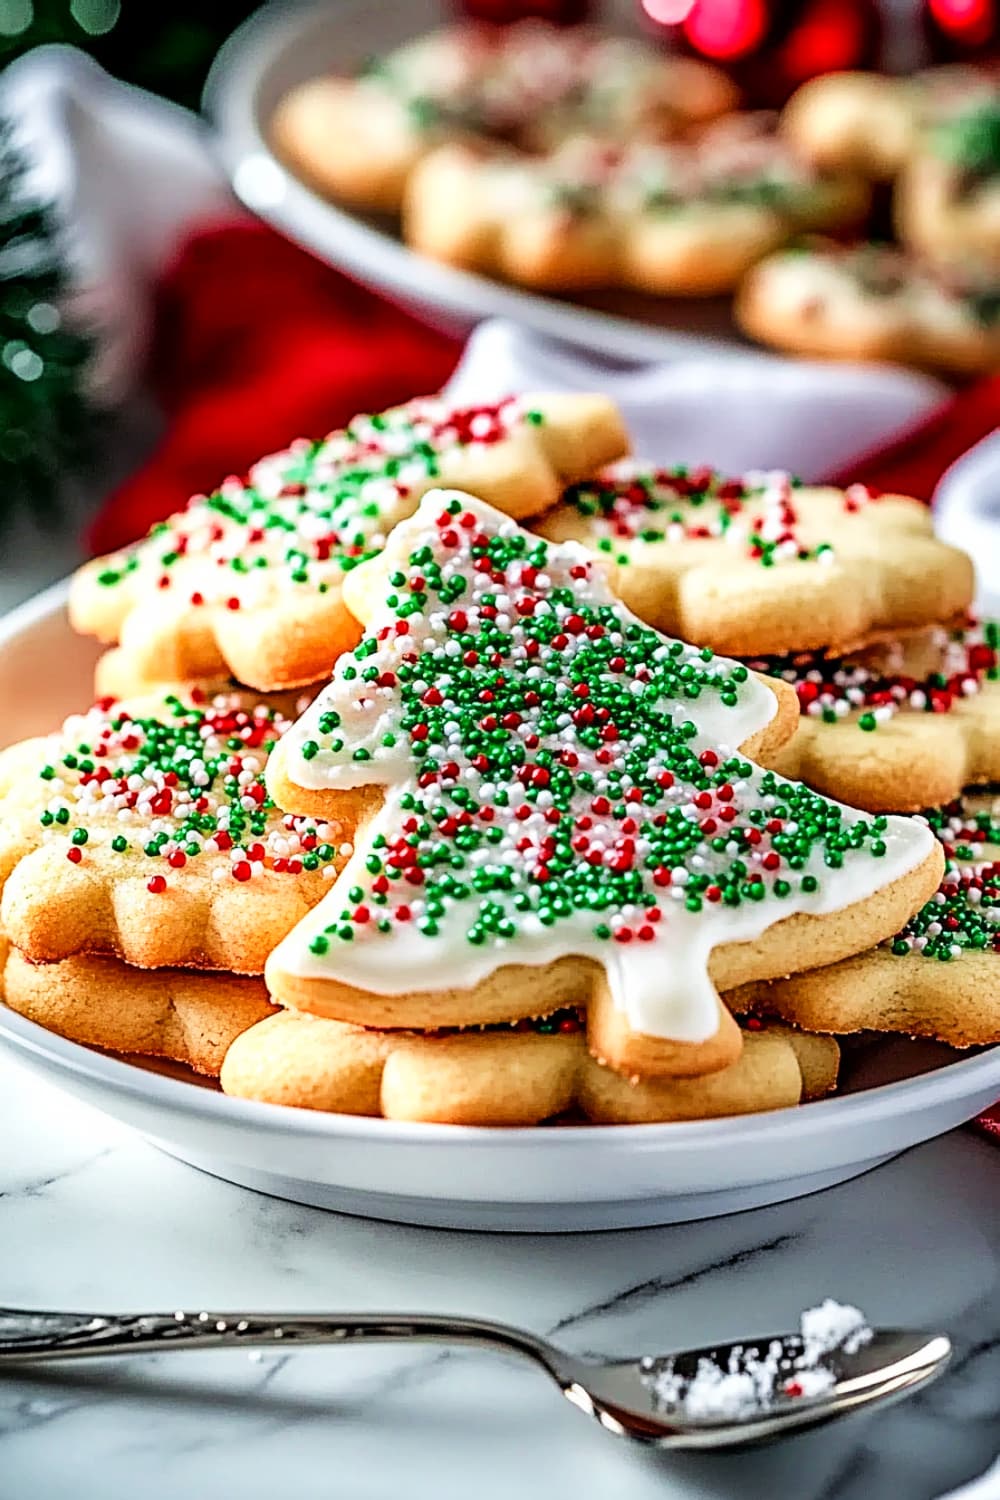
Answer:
[(92, 1217)]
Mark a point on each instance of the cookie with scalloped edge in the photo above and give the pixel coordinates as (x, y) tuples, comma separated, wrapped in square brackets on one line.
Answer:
[(508, 1075), (681, 218), (871, 123), (563, 808), (249, 581), (760, 564), (946, 203), (174, 1014), (939, 977), (357, 140), (145, 830), (900, 726), (873, 302)]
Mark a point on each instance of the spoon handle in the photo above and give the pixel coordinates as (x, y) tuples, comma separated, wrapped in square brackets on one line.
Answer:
[(30, 1335)]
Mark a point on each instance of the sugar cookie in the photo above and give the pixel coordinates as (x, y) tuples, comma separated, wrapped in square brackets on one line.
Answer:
[(569, 813), (508, 1075), (529, 83), (870, 124), (872, 302), (249, 581), (170, 1013), (146, 831), (683, 218), (940, 976), (947, 199), (900, 726), (761, 565)]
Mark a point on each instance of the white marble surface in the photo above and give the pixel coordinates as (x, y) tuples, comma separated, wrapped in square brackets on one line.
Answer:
[(92, 1217)]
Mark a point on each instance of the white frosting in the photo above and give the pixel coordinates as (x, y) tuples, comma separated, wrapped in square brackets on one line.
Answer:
[(659, 977)]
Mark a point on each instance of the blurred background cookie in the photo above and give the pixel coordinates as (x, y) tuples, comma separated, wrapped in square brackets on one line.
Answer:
[(947, 199), (874, 302), (529, 84), (682, 218)]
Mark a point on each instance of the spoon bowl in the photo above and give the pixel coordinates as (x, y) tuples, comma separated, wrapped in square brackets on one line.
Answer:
[(618, 1393)]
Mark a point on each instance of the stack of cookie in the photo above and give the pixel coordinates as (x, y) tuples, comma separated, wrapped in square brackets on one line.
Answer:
[(934, 302), (138, 849), (562, 815), (147, 874), (522, 853), (907, 723)]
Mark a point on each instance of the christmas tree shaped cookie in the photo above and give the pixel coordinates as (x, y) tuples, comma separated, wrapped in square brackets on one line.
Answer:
[(940, 975), (561, 807), (901, 726), (761, 565), (249, 581)]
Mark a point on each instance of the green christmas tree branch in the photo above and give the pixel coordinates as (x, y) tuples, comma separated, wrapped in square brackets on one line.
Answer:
[(46, 421)]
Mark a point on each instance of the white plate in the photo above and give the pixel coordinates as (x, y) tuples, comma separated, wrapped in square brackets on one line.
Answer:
[(550, 1179), (282, 46)]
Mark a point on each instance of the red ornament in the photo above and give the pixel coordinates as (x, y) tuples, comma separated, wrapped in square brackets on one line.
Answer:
[(957, 30), (772, 46)]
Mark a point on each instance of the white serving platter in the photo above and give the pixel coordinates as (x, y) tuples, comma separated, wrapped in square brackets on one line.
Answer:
[(283, 45), (549, 1179)]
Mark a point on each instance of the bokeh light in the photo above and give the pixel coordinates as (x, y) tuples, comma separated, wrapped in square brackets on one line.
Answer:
[(15, 16), (668, 12)]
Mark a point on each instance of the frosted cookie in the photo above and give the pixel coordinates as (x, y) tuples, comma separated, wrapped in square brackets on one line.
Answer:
[(170, 1013), (947, 199), (683, 218), (567, 811), (762, 565), (872, 302), (900, 726), (870, 124), (248, 581), (508, 1075), (939, 976), (146, 831), (528, 84)]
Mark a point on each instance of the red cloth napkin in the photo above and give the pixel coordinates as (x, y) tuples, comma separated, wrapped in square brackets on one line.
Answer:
[(913, 464), (255, 342)]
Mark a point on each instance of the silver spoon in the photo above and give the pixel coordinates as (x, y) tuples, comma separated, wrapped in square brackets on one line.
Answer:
[(617, 1392)]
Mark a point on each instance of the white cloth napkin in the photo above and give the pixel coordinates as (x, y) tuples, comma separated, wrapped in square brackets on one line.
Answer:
[(736, 414), (128, 174), (967, 511)]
